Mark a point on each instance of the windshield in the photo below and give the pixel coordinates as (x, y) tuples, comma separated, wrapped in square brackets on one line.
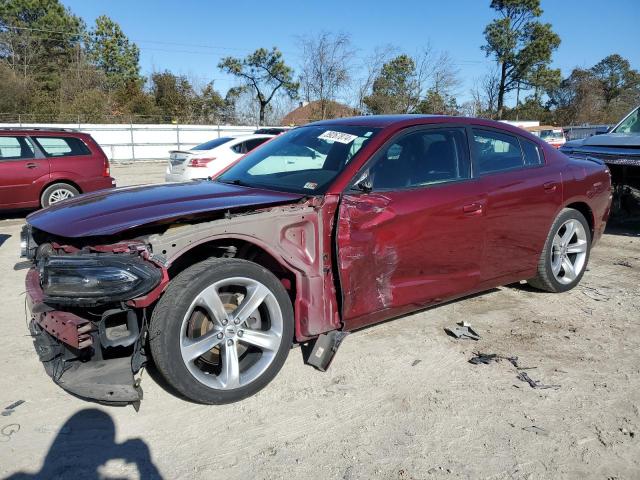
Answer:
[(551, 135), (631, 124), (303, 160), (211, 144)]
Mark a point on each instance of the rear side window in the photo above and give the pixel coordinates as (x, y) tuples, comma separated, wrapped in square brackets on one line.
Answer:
[(532, 153), (15, 148), (248, 145), (62, 146), (211, 144), (496, 151), (256, 142)]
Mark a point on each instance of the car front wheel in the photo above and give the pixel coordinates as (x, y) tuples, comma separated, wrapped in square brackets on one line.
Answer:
[(222, 330), (565, 254)]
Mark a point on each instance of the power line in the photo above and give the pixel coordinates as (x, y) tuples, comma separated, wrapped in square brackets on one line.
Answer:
[(212, 48)]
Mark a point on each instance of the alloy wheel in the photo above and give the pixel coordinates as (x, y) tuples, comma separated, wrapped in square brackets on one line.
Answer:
[(569, 251), (231, 333), (59, 194)]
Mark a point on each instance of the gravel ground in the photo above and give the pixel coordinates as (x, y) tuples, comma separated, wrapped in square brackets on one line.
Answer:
[(400, 401)]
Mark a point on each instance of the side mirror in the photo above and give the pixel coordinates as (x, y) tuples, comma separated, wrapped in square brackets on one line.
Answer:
[(364, 183)]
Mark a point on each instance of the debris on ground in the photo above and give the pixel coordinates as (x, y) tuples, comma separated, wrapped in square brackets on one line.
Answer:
[(463, 330), (535, 383), (624, 431), (9, 409), (536, 430), (623, 263), (487, 358), (484, 358), (595, 294), (415, 362)]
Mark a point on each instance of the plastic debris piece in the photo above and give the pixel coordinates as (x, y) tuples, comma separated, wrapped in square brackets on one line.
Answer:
[(484, 358), (534, 383), (9, 409), (536, 430), (464, 331)]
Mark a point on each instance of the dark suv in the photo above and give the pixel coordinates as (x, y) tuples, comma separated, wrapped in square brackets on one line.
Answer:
[(40, 167)]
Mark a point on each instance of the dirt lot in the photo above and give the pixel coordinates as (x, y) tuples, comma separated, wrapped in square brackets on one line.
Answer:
[(400, 400)]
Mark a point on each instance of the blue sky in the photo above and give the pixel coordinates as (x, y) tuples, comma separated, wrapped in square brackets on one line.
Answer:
[(189, 37)]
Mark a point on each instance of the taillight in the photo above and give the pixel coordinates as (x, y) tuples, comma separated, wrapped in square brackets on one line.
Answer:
[(107, 171), (200, 162)]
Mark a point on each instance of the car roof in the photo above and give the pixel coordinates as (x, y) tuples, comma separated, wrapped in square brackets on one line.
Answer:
[(407, 120), (249, 136), (42, 131)]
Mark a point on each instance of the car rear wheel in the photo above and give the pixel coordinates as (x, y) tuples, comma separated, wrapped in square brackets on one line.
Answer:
[(222, 330), (56, 193), (565, 255)]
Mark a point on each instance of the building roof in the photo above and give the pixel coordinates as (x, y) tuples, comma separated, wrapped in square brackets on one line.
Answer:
[(312, 111)]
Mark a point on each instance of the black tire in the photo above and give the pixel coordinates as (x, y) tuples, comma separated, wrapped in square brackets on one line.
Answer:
[(45, 198), (545, 279), (166, 323)]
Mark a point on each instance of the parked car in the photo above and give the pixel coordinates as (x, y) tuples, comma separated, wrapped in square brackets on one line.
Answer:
[(40, 167), (620, 150), (215, 279), (210, 158), (272, 130), (554, 136)]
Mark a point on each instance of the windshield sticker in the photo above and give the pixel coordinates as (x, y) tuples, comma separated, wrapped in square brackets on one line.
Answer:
[(338, 137), (310, 185)]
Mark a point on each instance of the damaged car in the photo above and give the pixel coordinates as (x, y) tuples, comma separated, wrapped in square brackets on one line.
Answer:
[(619, 149), (324, 230)]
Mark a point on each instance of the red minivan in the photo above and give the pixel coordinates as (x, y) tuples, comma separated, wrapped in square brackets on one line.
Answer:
[(39, 167)]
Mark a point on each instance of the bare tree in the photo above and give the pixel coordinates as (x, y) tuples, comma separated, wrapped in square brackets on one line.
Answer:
[(445, 76), (325, 68), (371, 67)]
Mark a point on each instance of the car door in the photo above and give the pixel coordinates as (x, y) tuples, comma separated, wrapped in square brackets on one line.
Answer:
[(23, 171), (416, 237), (524, 195)]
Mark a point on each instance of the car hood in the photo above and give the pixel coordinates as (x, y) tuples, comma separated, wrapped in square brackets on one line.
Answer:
[(112, 211), (607, 140)]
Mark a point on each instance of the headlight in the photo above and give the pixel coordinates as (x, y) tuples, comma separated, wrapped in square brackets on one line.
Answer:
[(96, 278)]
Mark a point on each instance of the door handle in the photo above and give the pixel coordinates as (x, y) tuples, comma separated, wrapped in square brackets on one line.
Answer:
[(473, 208), (32, 165), (550, 187)]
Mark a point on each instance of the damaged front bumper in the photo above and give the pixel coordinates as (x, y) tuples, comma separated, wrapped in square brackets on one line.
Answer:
[(93, 359), (110, 382)]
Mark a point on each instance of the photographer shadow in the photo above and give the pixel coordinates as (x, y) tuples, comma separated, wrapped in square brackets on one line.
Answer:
[(85, 443)]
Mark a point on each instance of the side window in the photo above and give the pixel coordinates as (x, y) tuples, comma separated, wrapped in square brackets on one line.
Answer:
[(256, 142), (423, 158), (240, 148), (62, 146), (532, 153), (496, 151), (15, 148)]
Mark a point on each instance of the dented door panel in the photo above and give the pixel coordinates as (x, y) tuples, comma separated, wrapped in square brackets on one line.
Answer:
[(402, 250)]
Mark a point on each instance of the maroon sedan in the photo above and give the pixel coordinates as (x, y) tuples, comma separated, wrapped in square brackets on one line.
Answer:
[(323, 230), (41, 167)]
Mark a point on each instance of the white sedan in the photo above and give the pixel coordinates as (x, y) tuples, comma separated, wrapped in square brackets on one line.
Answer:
[(210, 158)]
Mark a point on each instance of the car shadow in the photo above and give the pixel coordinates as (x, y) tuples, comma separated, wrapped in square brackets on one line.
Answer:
[(431, 307), (626, 228), (3, 238), (84, 444), (15, 214)]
